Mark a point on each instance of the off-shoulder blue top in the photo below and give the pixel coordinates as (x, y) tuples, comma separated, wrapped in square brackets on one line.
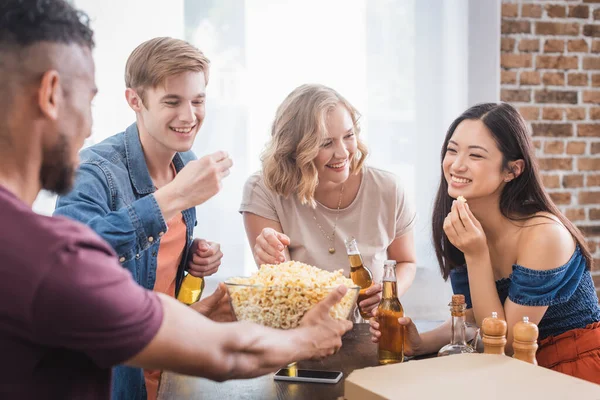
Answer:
[(568, 291)]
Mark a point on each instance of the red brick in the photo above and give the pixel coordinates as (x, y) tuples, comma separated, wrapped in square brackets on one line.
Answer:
[(556, 28), (556, 96), (579, 11), (576, 147), (573, 181), (589, 197), (578, 46), (508, 77), (588, 164), (554, 147), (561, 197), (594, 213), (530, 113), (575, 114), (577, 79), (556, 11), (590, 230), (592, 180), (507, 44), (510, 10), (509, 27), (591, 63), (596, 45), (530, 78), (597, 13), (512, 60), (591, 30), (529, 45), (595, 113), (588, 130), (558, 163), (595, 148), (554, 46), (515, 96), (552, 114), (591, 97), (537, 144), (531, 11), (552, 130), (596, 80), (550, 62), (575, 214), (554, 78), (551, 181)]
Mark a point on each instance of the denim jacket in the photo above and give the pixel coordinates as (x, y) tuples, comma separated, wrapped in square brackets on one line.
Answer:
[(113, 194)]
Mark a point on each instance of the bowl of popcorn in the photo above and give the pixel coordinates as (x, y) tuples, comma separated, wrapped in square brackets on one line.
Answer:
[(278, 295)]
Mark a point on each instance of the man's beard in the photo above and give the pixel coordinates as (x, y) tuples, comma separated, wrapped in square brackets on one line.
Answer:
[(56, 174)]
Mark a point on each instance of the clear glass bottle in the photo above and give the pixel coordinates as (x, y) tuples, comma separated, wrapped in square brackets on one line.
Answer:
[(359, 274), (458, 345), (191, 289), (391, 342)]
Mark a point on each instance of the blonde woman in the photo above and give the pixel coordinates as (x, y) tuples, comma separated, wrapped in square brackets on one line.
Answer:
[(315, 190)]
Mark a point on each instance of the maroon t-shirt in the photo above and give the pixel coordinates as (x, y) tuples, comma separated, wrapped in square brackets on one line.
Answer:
[(68, 310)]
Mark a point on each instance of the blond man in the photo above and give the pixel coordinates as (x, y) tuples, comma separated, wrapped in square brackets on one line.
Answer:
[(139, 188)]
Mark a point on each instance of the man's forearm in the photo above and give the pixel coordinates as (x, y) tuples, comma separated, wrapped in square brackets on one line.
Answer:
[(191, 344)]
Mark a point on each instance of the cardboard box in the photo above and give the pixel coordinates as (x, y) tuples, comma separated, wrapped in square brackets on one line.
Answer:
[(466, 376)]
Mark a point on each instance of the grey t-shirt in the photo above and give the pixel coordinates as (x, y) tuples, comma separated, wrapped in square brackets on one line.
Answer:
[(379, 214)]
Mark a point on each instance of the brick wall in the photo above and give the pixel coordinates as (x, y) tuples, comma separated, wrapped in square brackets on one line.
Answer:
[(550, 57)]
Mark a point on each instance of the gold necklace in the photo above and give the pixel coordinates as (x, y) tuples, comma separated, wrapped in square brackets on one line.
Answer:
[(331, 238)]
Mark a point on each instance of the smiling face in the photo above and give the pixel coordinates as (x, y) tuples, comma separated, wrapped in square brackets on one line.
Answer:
[(338, 148), (472, 163), (173, 112)]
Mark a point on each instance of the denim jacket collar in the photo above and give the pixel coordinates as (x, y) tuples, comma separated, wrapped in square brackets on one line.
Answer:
[(136, 162)]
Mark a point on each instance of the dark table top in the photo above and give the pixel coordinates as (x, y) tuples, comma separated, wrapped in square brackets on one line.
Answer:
[(357, 352)]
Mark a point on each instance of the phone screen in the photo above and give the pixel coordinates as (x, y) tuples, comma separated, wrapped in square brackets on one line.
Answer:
[(308, 373)]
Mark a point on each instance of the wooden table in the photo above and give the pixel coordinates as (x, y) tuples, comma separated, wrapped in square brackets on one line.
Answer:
[(357, 352)]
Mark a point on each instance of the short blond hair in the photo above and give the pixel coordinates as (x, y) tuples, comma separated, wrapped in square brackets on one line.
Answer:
[(298, 131), (157, 59)]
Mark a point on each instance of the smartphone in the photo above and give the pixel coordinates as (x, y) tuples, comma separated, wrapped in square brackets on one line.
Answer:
[(308, 375)]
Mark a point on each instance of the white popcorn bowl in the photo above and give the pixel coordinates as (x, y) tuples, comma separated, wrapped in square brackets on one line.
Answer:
[(283, 307)]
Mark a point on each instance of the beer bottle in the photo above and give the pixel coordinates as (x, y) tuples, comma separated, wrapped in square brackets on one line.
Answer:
[(360, 275), (458, 343), (191, 289), (391, 342)]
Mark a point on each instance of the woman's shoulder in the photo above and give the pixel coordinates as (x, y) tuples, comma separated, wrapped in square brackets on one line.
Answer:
[(544, 243)]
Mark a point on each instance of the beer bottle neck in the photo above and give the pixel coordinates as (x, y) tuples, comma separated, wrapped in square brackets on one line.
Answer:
[(389, 289)]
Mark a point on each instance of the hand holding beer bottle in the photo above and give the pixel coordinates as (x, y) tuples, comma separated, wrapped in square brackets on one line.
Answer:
[(413, 342), (370, 294)]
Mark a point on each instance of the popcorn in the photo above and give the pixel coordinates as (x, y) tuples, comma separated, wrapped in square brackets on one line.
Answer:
[(281, 294), (461, 199)]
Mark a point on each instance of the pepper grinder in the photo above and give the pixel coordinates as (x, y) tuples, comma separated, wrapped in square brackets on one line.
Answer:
[(525, 345)]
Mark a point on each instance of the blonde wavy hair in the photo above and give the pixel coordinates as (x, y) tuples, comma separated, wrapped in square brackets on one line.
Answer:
[(298, 131)]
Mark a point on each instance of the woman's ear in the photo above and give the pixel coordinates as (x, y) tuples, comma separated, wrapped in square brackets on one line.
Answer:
[(515, 169)]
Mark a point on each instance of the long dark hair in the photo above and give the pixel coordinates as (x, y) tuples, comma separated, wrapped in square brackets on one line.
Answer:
[(523, 196)]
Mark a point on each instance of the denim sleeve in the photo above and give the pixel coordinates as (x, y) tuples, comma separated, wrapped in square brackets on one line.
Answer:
[(127, 230), (459, 279), (546, 288)]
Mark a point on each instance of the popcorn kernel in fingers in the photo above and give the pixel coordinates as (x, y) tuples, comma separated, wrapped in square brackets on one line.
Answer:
[(461, 199)]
